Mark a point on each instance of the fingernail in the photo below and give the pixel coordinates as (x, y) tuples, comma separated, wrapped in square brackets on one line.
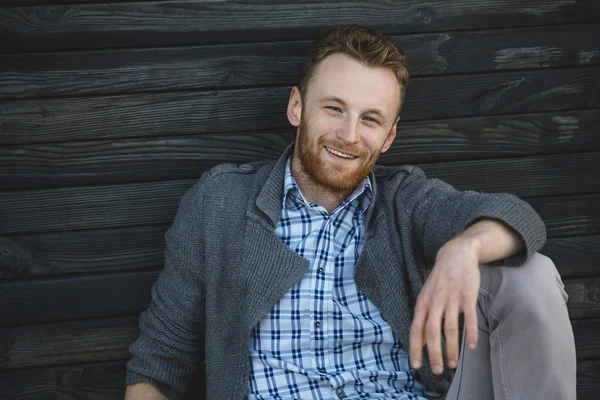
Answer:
[(416, 364), (471, 346), (452, 364), (437, 369)]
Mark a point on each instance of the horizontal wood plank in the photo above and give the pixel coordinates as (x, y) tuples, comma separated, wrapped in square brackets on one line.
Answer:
[(54, 210), (43, 28), (588, 379), (180, 113), (127, 294), (280, 63), (138, 160), (587, 338), (416, 141), (78, 252), (113, 250), (569, 215), (64, 299), (133, 160), (97, 381), (106, 382), (67, 343), (584, 297), (495, 136), (102, 381), (142, 115), (103, 340), (574, 256), (538, 176)]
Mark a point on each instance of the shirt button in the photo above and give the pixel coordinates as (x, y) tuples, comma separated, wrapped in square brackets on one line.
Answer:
[(341, 395), (322, 370), (317, 324), (320, 270)]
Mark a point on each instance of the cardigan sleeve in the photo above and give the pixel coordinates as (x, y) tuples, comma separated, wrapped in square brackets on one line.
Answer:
[(439, 212), (172, 327)]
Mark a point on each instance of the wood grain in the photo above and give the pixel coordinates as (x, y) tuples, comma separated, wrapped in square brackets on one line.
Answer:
[(67, 342), (280, 63), (89, 26), (123, 294), (538, 176), (97, 381), (101, 381), (64, 299), (584, 297), (588, 379), (416, 141), (78, 252), (575, 256), (54, 210), (153, 114), (114, 250), (569, 215), (139, 160), (101, 340), (495, 136), (106, 382), (587, 338)]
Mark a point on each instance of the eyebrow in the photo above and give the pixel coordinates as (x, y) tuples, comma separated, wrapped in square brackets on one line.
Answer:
[(338, 100)]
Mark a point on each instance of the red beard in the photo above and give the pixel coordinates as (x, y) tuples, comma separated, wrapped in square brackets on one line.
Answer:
[(337, 178)]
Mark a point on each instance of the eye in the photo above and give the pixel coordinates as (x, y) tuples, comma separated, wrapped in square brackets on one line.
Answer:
[(334, 108), (371, 119)]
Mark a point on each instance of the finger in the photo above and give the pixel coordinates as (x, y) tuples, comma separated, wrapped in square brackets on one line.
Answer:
[(433, 330), (417, 333), (451, 332), (471, 324)]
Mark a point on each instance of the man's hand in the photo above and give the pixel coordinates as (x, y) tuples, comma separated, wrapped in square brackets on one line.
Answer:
[(453, 287)]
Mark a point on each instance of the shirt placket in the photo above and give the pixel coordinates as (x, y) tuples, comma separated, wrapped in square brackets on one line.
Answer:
[(321, 289)]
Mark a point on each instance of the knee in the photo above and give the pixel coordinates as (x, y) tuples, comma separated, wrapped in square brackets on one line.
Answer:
[(528, 303), (531, 288)]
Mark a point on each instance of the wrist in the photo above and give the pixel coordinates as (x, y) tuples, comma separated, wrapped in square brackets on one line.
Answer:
[(467, 246)]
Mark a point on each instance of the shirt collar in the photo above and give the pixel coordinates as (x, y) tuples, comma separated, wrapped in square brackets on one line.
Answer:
[(293, 198)]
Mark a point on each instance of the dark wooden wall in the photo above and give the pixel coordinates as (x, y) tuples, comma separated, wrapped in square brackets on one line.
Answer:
[(110, 111)]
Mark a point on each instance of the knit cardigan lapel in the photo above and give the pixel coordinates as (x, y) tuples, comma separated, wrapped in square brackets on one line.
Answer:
[(275, 267)]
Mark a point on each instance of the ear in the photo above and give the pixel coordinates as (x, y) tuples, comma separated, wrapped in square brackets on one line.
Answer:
[(294, 108), (390, 137)]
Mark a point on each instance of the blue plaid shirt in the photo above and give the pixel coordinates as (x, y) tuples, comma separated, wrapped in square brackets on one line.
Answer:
[(324, 339)]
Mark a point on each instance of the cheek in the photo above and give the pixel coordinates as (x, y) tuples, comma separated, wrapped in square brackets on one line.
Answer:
[(326, 122), (374, 142)]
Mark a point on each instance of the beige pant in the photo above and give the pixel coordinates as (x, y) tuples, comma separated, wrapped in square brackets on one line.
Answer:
[(526, 348)]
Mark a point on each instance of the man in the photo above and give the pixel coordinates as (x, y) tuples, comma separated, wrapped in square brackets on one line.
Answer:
[(322, 275)]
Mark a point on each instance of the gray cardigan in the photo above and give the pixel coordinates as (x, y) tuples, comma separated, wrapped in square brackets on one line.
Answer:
[(225, 269)]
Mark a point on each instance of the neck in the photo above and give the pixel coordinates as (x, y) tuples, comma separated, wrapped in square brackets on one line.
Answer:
[(315, 192)]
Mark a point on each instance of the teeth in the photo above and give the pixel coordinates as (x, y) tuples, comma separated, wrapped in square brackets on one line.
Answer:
[(337, 153)]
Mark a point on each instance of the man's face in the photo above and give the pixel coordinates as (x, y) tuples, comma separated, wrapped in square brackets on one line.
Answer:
[(348, 118)]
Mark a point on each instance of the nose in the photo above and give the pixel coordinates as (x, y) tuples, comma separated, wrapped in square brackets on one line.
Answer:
[(349, 133)]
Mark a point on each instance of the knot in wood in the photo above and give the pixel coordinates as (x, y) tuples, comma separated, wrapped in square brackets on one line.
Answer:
[(52, 13), (427, 15), (72, 377)]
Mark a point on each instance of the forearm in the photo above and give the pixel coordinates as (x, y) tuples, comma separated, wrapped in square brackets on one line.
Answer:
[(492, 240), (143, 391)]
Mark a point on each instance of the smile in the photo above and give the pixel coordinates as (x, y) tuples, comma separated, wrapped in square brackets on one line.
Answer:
[(340, 154)]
